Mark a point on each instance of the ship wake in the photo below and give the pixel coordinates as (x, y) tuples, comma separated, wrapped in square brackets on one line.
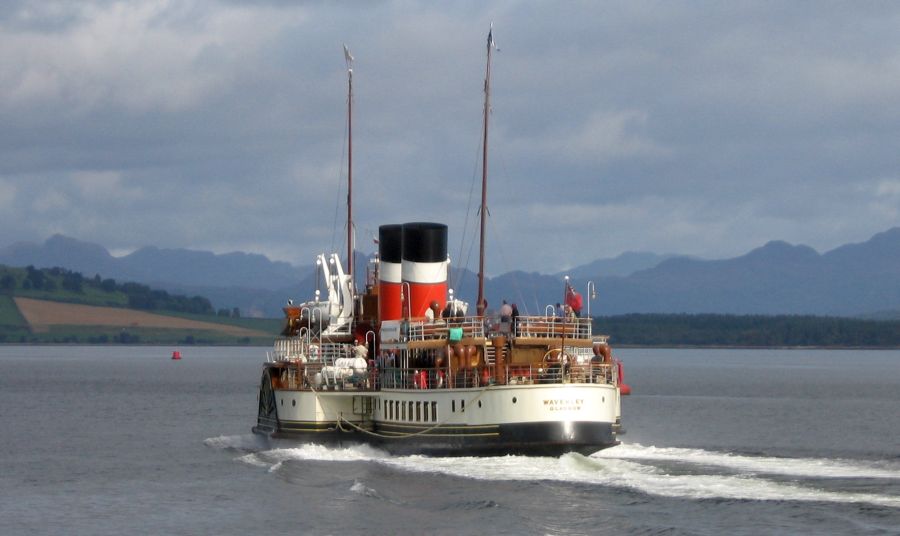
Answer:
[(661, 471)]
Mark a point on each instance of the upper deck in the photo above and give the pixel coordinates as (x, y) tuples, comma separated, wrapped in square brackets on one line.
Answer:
[(541, 329), (417, 352)]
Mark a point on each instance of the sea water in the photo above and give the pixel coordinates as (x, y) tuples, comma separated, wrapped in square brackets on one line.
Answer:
[(123, 440)]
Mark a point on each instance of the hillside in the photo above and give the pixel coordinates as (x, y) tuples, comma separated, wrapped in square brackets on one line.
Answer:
[(57, 305), (151, 265), (777, 278)]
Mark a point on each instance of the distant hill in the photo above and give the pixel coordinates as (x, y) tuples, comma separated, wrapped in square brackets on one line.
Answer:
[(150, 264), (250, 282), (777, 278), (623, 265)]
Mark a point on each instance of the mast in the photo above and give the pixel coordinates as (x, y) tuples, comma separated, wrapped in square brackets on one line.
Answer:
[(350, 259), (481, 305)]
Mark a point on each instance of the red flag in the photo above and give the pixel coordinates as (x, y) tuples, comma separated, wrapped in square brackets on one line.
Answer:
[(573, 299)]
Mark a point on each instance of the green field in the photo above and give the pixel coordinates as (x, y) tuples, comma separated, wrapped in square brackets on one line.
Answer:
[(59, 285), (9, 313), (13, 327), (268, 325)]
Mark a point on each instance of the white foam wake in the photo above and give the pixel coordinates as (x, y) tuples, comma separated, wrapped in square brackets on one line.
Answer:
[(621, 467), (756, 465), (245, 442)]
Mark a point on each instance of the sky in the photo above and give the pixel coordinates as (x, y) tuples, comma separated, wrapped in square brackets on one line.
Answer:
[(699, 128)]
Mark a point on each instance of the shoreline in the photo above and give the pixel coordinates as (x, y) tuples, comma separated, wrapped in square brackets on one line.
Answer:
[(615, 346)]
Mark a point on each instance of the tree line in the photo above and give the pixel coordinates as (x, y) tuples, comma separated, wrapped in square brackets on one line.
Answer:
[(747, 330), (138, 296)]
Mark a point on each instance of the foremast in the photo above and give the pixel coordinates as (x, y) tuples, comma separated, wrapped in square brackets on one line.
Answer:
[(350, 260), (481, 304)]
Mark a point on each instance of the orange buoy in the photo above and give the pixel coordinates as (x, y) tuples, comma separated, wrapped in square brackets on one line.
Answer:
[(176, 355)]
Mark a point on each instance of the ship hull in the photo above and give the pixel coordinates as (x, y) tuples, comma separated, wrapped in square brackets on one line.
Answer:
[(526, 439), (527, 420)]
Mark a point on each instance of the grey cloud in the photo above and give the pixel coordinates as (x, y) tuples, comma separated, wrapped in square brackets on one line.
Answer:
[(701, 128)]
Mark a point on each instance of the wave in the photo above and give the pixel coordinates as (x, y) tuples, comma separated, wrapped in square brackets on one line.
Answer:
[(757, 465), (241, 443), (618, 467)]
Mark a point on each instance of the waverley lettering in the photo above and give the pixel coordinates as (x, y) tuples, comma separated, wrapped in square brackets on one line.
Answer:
[(563, 404)]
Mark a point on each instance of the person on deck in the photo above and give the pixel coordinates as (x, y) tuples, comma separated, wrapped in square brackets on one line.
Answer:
[(505, 317)]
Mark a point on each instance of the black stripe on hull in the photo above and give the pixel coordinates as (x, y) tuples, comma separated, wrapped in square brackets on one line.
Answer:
[(529, 439)]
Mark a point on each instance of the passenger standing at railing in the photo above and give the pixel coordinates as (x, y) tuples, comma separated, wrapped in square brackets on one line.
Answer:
[(432, 312), (514, 316), (505, 316)]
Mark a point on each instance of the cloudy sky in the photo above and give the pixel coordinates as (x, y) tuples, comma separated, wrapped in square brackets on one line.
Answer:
[(695, 128)]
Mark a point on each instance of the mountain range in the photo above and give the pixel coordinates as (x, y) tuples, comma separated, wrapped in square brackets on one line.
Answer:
[(777, 278)]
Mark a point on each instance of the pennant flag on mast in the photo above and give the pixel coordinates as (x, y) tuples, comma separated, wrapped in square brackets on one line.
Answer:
[(348, 57)]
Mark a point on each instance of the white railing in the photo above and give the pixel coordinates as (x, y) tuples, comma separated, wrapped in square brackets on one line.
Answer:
[(317, 376), (421, 330), (433, 378), (544, 327), (303, 350)]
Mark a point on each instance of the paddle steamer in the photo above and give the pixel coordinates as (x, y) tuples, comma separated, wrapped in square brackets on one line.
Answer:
[(405, 367)]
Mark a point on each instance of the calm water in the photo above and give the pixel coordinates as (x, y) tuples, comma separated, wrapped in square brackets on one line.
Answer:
[(122, 440)]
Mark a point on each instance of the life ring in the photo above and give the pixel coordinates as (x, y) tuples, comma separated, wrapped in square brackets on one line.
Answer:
[(557, 366), (556, 355), (551, 356)]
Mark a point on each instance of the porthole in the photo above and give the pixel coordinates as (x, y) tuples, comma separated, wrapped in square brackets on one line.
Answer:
[(282, 401), (602, 399), (515, 400), (479, 403), (294, 403)]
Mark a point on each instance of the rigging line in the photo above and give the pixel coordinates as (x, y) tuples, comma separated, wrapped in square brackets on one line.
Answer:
[(472, 243), (462, 238), (340, 189)]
